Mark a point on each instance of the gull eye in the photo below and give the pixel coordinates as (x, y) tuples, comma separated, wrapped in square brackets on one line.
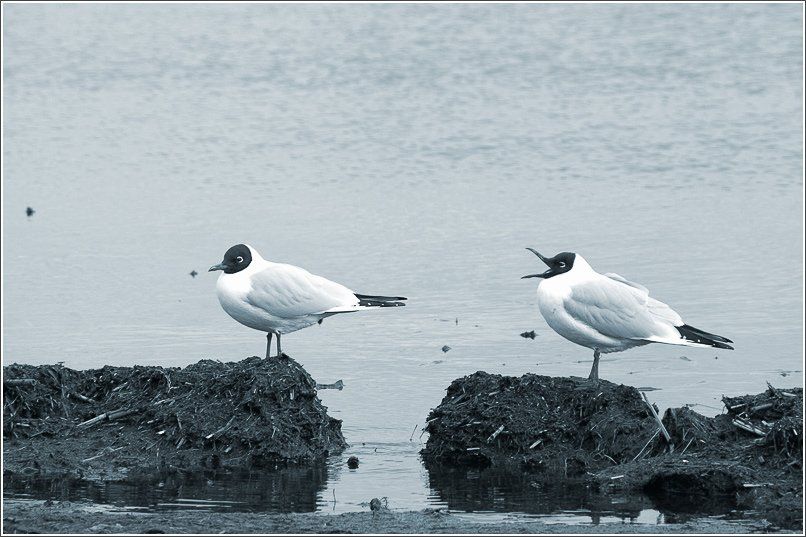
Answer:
[(562, 264), (239, 259)]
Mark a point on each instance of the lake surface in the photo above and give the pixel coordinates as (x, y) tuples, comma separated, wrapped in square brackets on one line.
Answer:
[(413, 150)]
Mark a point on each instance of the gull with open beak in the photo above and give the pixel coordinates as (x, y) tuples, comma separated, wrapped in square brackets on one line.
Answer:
[(608, 313)]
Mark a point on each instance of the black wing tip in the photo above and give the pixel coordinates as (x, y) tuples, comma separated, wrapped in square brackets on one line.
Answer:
[(379, 301), (706, 338), (380, 297)]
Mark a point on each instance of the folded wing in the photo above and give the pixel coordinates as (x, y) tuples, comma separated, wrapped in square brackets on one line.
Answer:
[(618, 308), (287, 291)]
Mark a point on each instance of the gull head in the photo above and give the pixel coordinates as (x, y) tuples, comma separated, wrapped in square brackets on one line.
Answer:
[(559, 264), (235, 260)]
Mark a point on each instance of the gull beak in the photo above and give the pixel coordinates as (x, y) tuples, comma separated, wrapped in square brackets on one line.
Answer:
[(220, 266), (544, 260)]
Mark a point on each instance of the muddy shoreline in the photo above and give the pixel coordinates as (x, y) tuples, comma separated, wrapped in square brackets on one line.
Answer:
[(149, 425), (67, 517)]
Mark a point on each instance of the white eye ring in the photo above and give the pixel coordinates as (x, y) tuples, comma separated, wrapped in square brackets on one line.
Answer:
[(562, 264), (238, 259)]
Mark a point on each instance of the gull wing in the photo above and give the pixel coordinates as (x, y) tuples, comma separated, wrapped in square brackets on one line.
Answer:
[(622, 279), (619, 310), (656, 307), (287, 291)]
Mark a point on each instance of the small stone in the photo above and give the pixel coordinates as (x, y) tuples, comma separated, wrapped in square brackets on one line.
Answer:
[(352, 462), (445, 348), (193, 273), (29, 211), (529, 335)]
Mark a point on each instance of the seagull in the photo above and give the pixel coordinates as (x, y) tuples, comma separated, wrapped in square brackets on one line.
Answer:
[(277, 298), (608, 313)]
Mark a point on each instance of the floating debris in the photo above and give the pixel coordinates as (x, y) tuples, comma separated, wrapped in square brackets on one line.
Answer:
[(352, 462), (445, 348), (338, 385), (29, 211), (193, 273), (529, 335)]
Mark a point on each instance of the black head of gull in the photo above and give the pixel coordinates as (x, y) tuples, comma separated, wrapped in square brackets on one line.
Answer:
[(235, 260), (559, 264)]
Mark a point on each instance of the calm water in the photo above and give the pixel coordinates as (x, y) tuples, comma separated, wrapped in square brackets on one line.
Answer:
[(404, 149)]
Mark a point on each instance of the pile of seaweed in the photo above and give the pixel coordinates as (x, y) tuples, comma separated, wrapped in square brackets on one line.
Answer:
[(749, 457), (252, 413), (558, 425), (608, 435)]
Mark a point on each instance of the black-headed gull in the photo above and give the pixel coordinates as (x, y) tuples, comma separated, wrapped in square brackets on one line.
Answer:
[(277, 298), (608, 313)]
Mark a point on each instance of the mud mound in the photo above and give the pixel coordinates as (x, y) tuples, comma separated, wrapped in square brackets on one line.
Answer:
[(544, 423), (747, 458), (563, 430), (251, 413)]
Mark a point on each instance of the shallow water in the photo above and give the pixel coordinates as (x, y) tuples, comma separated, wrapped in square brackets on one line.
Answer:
[(404, 149), (482, 495)]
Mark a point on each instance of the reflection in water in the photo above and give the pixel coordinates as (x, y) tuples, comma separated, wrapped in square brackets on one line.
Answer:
[(494, 489), (507, 491), (287, 490)]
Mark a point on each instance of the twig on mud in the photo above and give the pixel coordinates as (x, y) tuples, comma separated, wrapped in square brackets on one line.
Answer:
[(495, 434), (764, 406), (111, 416), (657, 418), (93, 421), (83, 397), (734, 408), (608, 456), (746, 426), (687, 445), (222, 430), (106, 451), (19, 382), (536, 443), (651, 438)]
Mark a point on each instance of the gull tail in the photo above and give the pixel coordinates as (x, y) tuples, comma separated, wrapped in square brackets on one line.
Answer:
[(695, 335), (372, 301)]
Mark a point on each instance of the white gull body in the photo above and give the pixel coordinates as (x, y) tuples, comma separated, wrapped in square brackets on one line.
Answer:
[(278, 298)]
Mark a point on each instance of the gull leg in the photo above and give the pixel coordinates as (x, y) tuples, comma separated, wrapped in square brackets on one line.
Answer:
[(268, 345), (279, 352), (594, 375)]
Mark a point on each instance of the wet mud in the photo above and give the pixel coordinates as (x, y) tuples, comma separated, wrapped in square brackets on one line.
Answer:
[(83, 518), (605, 437), (148, 422)]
